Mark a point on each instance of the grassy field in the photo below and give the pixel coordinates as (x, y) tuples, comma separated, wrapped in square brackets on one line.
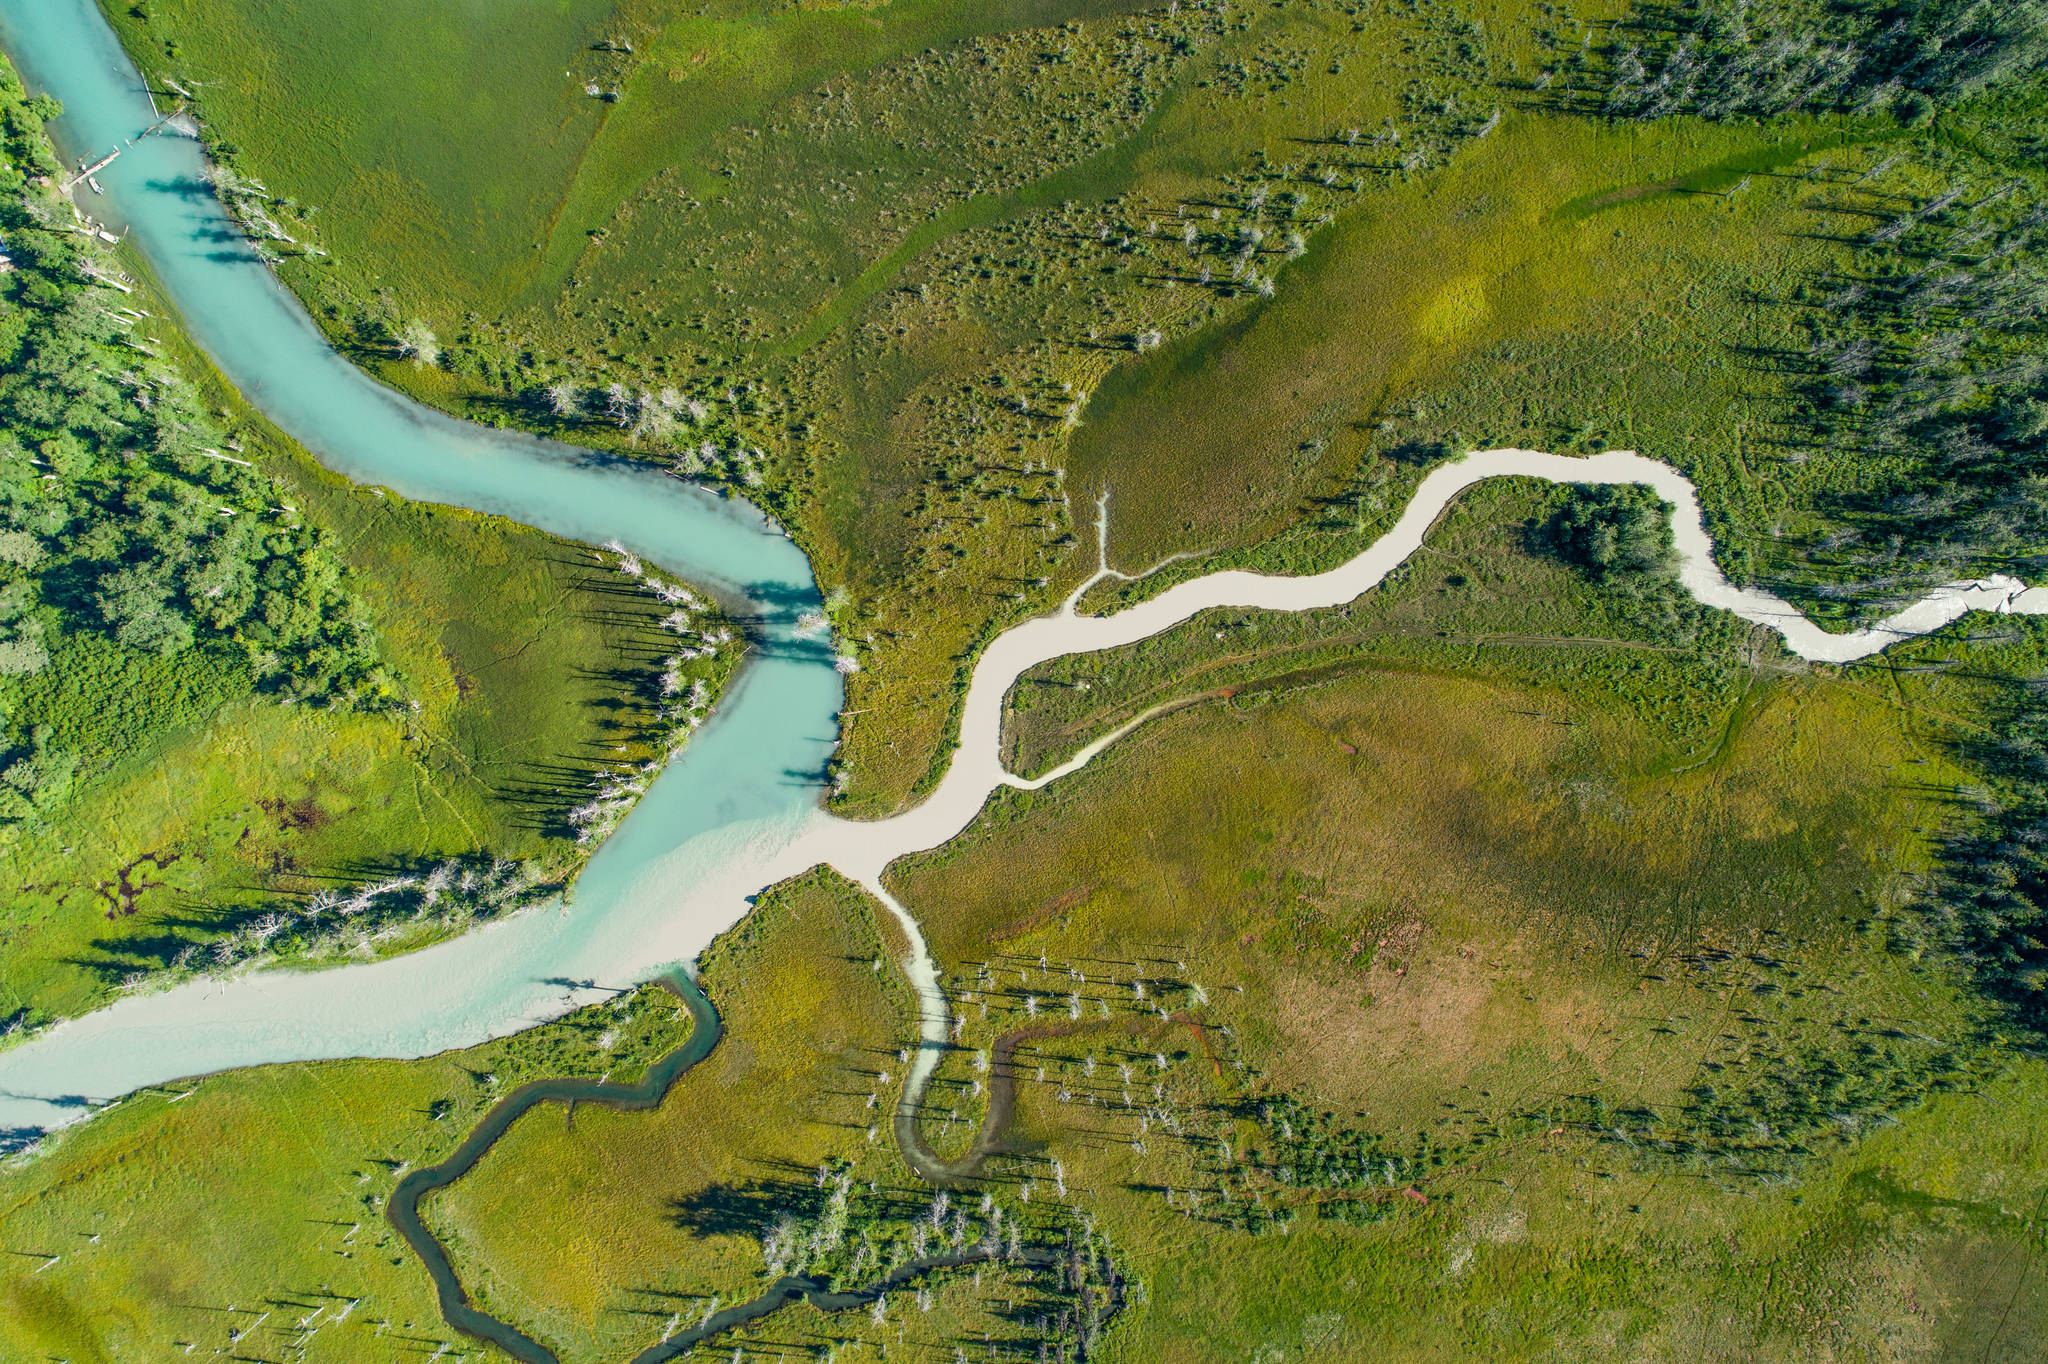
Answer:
[(424, 177), (1384, 1011), (1620, 1029), (423, 118), (1023, 254), (1314, 396)]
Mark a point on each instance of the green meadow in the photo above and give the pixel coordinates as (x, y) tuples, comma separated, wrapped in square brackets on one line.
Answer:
[(1521, 961), (1425, 1005)]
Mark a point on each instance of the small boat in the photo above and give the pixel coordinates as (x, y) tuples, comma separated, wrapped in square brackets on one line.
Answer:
[(90, 180)]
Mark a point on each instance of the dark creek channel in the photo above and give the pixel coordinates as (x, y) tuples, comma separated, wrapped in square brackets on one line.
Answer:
[(791, 1288), (403, 1207)]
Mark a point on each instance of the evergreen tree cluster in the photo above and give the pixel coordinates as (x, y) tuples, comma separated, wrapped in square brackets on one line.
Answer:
[(1926, 368), (127, 521), (1614, 530), (1988, 899)]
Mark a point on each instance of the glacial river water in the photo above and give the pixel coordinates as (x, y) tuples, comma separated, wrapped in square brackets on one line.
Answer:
[(740, 810)]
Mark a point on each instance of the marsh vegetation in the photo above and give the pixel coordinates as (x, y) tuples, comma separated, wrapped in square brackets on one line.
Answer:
[(1519, 959)]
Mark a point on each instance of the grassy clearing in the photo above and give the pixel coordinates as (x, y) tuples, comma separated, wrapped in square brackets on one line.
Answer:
[(460, 156), (412, 123), (1309, 398)]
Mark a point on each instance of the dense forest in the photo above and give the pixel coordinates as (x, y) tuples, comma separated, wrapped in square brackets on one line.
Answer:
[(1988, 898), (146, 570), (1925, 371), (1735, 58), (1613, 531)]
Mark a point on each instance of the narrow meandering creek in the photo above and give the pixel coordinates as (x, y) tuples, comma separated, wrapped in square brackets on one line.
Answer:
[(403, 1206), (456, 1308), (740, 810)]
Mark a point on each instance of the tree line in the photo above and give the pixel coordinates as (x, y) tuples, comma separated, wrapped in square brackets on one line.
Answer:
[(1760, 58), (129, 524)]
